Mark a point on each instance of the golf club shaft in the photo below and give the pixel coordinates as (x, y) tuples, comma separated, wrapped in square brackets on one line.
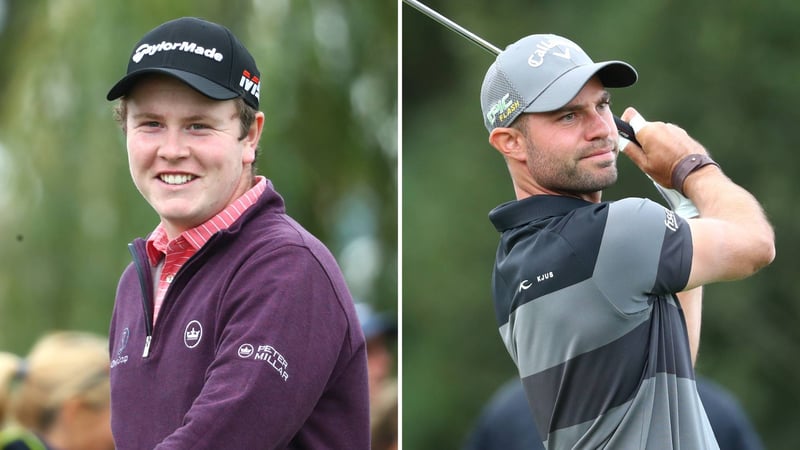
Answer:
[(624, 129), (424, 9)]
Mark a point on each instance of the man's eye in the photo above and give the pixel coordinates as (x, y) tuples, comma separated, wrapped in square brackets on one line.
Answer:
[(197, 127), (568, 116)]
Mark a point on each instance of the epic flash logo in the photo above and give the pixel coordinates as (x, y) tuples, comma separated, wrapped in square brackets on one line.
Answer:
[(503, 107), (250, 83)]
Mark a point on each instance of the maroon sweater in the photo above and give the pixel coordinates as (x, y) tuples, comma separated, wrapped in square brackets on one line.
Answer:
[(257, 346)]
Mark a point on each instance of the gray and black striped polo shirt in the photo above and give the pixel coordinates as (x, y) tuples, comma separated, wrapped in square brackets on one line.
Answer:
[(584, 298)]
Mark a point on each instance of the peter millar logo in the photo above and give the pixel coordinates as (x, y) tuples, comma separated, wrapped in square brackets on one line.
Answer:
[(164, 46), (192, 334), (268, 354), (246, 351)]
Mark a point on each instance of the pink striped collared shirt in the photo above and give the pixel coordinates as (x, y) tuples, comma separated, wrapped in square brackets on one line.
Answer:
[(176, 252)]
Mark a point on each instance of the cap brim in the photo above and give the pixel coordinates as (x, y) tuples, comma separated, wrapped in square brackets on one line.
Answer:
[(612, 74), (204, 86)]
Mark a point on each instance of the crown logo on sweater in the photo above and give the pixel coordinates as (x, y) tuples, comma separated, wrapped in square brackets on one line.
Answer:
[(192, 334)]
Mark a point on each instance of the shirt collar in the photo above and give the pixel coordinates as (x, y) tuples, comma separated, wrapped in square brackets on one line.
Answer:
[(519, 212), (158, 243)]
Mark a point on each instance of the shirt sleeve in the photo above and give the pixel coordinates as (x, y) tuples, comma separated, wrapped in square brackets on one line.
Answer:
[(645, 250), (282, 339)]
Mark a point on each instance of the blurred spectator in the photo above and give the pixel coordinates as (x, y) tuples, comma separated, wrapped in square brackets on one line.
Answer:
[(58, 396), (383, 417), (380, 332), (730, 423), (506, 423)]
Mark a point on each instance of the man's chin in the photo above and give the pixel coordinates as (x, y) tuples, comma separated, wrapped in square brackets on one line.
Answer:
[(178, 217), (600, 183)]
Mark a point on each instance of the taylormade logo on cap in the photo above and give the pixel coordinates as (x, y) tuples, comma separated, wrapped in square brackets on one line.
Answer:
[(188, 47)]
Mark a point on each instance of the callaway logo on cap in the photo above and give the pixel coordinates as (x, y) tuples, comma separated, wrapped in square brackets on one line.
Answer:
[(204, 55), (541, 73)]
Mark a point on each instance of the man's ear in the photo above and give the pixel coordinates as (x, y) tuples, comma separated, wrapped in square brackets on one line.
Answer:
[(253, 136), (510, 142)]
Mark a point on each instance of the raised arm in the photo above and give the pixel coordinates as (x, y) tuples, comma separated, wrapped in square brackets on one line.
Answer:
[(732, 238)]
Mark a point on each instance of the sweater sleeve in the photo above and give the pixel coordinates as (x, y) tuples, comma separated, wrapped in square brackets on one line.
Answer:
[(288, 371)]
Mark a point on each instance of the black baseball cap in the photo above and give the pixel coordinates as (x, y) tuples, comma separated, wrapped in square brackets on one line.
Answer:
[(202, 54)]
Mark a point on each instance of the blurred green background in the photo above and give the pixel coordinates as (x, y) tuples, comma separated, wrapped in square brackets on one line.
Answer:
[(69, 207), (727, 71)]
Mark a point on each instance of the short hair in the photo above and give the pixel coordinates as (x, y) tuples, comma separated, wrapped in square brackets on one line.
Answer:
[(521, 124)]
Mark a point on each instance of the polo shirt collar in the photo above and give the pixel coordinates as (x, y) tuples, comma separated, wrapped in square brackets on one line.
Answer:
[(520, 212)]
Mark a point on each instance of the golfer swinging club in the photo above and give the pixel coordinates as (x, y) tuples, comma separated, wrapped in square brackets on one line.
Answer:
[(599, 303)]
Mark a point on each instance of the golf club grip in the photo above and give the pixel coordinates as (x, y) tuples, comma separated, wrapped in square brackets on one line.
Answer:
[(626, 130)]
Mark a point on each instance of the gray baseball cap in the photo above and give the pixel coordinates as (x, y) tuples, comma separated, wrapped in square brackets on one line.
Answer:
[(540, 73)]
